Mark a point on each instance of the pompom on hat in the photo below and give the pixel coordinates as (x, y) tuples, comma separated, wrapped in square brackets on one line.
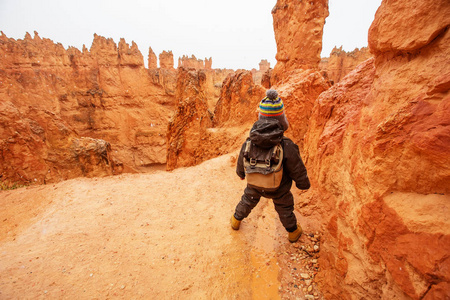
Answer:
[(272, 94)]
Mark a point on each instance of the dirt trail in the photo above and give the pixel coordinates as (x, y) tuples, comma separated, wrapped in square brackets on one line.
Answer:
[(164, 235)]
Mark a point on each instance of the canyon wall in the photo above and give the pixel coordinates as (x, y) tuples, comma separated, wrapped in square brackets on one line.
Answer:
[(103, 100), (377, 151), (340, 63), (54, 98), (214, 77), (196, 133)]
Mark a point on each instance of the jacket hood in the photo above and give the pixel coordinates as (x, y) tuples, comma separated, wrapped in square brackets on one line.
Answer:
[(266, 133)]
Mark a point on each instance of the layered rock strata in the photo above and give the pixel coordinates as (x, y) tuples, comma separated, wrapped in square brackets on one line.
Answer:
[(377, 153), (104, 93), (196, 133)]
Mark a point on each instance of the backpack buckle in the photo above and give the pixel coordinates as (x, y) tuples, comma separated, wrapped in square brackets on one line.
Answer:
[(253, 162)]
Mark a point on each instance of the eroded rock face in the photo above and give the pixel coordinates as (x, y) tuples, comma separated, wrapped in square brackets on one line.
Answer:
[(420, 23), (299, 93), (166, 60), (105, 93), (194, 63), (340, 63), (238, 102), (40, 148), (196, 134), (298, 27), (377, 154), (187, 129), (152, 59)]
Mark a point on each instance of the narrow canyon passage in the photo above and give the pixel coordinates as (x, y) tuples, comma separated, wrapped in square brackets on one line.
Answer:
[(164, 235)]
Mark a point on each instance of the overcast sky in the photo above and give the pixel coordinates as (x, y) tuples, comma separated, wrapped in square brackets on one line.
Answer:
[(235, 33)]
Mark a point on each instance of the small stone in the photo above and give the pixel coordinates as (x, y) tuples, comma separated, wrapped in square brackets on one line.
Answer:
[(310, 297), (316, 248), (310, 289), (314, 261), (308, 282), (304, 276)]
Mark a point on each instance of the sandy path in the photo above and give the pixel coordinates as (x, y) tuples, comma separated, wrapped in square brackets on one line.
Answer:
[(164, 235)]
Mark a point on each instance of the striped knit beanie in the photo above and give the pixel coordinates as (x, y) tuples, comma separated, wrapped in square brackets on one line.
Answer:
[(271, 105)]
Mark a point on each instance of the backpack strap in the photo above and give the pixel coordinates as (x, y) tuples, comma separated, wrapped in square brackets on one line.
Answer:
[(247, 149)]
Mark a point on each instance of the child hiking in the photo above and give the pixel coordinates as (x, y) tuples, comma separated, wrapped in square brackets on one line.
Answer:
[(270, 162)]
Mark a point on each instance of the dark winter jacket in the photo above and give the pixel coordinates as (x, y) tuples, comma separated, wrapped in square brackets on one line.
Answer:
[(266, 133)]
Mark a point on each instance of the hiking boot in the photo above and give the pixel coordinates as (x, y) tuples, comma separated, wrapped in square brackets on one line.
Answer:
[(295, 235), (235, 223)]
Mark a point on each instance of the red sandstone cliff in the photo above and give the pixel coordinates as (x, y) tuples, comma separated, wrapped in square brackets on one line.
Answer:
[(187, 129), (214, 77), (236, 109), (298, 27), (340, 63), (196, 133), (377, 151), (103, 93)]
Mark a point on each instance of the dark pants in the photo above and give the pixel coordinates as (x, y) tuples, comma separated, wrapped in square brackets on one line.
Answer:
[(284, 205)]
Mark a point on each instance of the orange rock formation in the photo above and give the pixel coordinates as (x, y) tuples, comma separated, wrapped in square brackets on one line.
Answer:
[(264, 68), (377, 153), (193, 62), (196, 134), (105, 93), (264, 65), (340, 63), (152, 59), (299, 48), (166, 60), (376, 144), (238, 100)]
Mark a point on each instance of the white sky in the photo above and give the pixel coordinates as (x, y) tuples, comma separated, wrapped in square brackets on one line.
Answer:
[(235, 33)]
